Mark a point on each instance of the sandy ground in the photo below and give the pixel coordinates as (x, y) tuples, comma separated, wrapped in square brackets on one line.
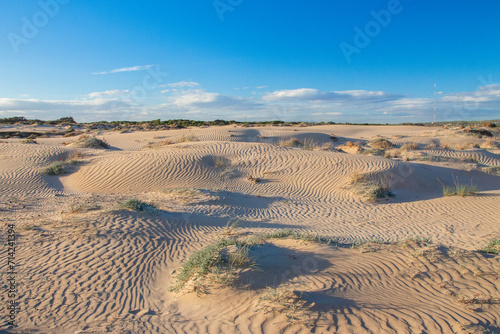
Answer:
[(86, 265)]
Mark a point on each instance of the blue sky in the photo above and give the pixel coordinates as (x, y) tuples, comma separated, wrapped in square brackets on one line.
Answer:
[(357, 61)]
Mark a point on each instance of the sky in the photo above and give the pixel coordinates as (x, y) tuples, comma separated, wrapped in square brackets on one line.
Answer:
[(320, 60)]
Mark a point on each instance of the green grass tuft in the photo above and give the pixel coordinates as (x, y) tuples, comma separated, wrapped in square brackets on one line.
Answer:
[(460, 189), (221, 258), (137, 205), (493, 247)]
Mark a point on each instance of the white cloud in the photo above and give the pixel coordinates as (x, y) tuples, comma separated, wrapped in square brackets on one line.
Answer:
[(115, 92), (126, 69), (488, 93), (327, 113), (310, 94), (288, 105), (182, 84), (201, 99)]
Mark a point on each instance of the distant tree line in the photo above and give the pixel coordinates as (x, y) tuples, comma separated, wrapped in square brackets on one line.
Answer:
[(184, 123)]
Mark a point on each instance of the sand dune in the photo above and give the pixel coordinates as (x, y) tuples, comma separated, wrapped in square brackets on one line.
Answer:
[(88, 265)]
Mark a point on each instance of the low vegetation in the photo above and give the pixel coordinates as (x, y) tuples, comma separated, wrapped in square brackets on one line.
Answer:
[(285, 301), (411, 146), (219, 261), (381, 143), (187, 138), (60, 167), (493, 247), (134, 204), (87, 141), (493, 170), (29, 141), (308, 144), (459, 189), (369, 188)]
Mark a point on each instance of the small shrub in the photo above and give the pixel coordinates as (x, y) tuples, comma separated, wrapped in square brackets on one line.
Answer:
[(356, 146), (290, 142), (479, 132), (493, 247), (137, 205), (29, 141), (410, 146), (381, 143), (87, 141), (55, 168), (489, 125), (370, 189), (60, 167), (187, 138)]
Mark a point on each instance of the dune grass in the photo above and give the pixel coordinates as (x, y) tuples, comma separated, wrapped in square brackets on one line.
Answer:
[(285, 301), (55, 168), (134, 204), (381, 143), (459, 189), (187, 138), (87, 141), (60, 167), (216, 263), (493, 247), (369, 188)]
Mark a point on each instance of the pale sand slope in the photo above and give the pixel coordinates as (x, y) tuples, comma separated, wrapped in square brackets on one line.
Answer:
[(85, 264)]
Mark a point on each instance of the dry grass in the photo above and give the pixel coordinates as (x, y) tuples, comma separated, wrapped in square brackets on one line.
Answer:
[(411, 146), (460, 146), (369, 188), (357, 147), (489, 144), (459, 189), (156, 145), (187, 138), (284, 301), (491, 170), (87, 141), (231, 227), (381, 143), (189, 196)]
